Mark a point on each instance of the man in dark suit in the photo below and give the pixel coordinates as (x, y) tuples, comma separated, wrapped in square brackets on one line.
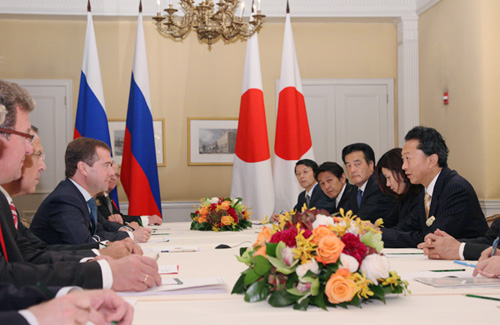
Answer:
[(51, 268), (69, 214), (367, 201), (332, 180), (449, 202), (312, 196)]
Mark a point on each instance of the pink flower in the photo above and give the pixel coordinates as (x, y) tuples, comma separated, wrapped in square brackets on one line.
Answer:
[(287, 236), (354, 247)]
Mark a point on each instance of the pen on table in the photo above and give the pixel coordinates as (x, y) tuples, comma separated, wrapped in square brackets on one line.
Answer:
[(404, 253), (103, 244), (482, 297), (495, 245), (178, 250), (451, 270), (157, 257), (465, 263)]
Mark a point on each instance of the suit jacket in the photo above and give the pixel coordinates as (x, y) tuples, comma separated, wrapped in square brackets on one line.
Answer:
[(28, 265), (318, 200), (12, 317), (455, 207), (64, 218), (374, 204), (102, 206), (345, 200), (473, 247), (22, 298)]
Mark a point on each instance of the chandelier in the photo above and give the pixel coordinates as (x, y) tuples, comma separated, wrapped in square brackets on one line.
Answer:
[(208, 22)]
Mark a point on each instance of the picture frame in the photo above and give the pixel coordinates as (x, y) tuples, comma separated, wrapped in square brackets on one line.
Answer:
[(211, 141), (117, 136)]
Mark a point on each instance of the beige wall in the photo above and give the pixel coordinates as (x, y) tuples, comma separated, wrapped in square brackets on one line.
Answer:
[(188, 80), (459, 46)]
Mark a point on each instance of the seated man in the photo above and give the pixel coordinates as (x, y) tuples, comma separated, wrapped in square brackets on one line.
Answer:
[(110, 211), (313, 196), (33, 166), (448, 202), (332, 180), (367, 201), (440, 245), (69, 214), (489, 264)]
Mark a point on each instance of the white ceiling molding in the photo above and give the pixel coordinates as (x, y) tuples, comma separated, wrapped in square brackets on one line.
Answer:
[(271, 8)]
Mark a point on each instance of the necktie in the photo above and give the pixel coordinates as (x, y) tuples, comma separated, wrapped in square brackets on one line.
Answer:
[(359, 197), (308, 200), (110, 205), (427, 204), (93, 213), (14, 213), (2, 242)]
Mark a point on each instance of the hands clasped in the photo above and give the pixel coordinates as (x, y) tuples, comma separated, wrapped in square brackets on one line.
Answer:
[(134, 272)]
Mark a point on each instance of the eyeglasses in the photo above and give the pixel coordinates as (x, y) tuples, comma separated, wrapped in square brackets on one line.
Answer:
[(28, 137), (39, 155)]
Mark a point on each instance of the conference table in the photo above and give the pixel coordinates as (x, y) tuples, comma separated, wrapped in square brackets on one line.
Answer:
[(216, 305)]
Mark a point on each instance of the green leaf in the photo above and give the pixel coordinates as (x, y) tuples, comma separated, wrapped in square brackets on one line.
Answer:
[(251, 277), (261, 265), (282, 298), (243, 250), (378, 292), (258, 291), (281, 266), (319, 300), (302, 305), (239, 286), (271, 249)]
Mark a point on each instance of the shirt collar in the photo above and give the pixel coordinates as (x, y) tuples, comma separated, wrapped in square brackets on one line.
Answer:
[(86, 195), (7, 196), (364, 185), (310, 193), (339, 197), (430, 189)]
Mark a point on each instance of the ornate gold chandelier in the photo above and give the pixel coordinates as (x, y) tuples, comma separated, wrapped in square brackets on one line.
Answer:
[(208, 23)]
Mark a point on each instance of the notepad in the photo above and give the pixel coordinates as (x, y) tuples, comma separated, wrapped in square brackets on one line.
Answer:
[(179, 286), (455, 282), (168, 269)]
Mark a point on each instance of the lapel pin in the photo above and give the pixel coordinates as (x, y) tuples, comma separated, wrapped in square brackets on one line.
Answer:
[(430, 221)]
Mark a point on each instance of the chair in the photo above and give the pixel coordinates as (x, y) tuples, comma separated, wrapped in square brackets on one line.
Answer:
[(493, 217)]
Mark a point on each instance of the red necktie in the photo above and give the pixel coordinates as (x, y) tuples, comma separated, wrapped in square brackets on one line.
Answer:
[(3, 244), (14, 213)]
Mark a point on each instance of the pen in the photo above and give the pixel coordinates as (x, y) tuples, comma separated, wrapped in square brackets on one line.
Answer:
[(103, 244), (157, 257), (404, 253), (482, 297), (495, 245), (465, 263), (178, 250), (452, 270)]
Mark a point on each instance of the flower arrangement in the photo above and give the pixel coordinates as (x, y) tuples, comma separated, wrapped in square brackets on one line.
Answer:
[(221, 214), (312, 258)]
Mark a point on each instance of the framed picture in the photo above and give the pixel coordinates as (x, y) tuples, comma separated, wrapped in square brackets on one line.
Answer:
[(117, 137), (211, 141)]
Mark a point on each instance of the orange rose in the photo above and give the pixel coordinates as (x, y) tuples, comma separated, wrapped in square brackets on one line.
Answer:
[(225, 205), (202, 219), (340, 289), (227, 220), (321, 232), (261, 251), (329, 249), (203, 210), (263, 237)]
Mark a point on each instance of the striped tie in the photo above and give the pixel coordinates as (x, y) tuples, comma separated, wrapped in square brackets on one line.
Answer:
[(427, 204), (14, 213)]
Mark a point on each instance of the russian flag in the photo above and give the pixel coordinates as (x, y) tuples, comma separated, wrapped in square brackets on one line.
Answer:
[(293, 138), (91, 119), (139, 174), (252, 173)]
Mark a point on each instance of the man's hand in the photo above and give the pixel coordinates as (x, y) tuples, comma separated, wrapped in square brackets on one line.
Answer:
[(440, 245), (487, 253), (134, 273), (81, 307), (489, 267), (142, 235), (154, 220), (121, 248), (116, 218), (134, 225)]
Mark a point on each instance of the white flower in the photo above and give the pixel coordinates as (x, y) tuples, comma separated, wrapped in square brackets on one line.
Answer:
[(322, 220), (303, 287), (353, 229), (375, 267), (349, 262), (214, 200), (287, 254), (302, 269)]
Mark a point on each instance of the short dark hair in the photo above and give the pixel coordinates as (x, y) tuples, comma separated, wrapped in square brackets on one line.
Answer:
[(331, 167), (307, 162), (430, 142), (13, 96), (392, 160), (363, 147), (82, 149)]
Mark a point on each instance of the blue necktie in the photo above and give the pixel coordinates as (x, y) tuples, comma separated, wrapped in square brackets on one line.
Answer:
[(93, 213), (358, 198)]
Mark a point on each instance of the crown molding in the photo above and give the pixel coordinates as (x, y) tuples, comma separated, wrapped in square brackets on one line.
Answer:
[(271, 8)]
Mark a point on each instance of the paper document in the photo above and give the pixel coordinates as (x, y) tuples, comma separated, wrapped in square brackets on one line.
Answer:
[(454, 282), (176, 286), (168, 269)]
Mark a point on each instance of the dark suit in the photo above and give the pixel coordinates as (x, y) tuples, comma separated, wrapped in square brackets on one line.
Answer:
[(455, 207), (345, 200), (374, 204), (102, 206), (473, 247), (27, 265), (64, 218), (318, 200)]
